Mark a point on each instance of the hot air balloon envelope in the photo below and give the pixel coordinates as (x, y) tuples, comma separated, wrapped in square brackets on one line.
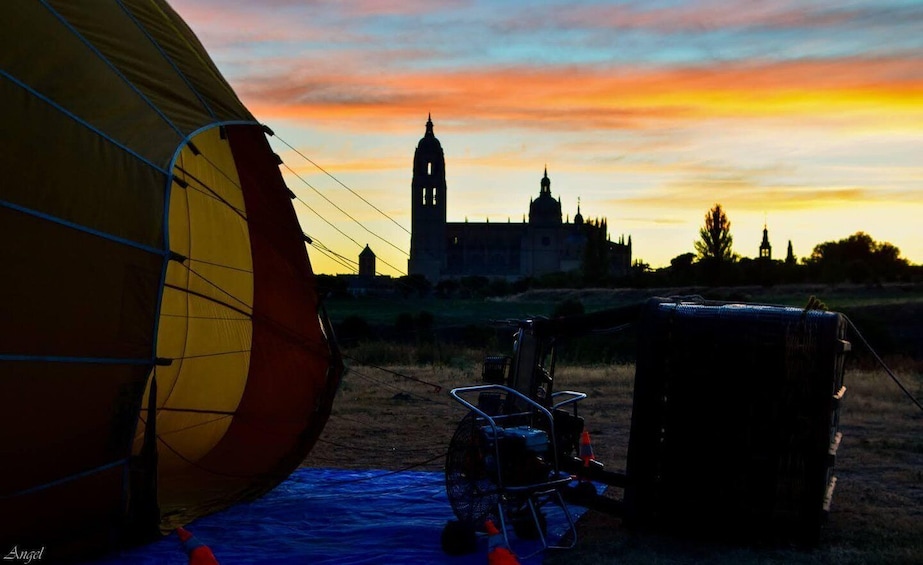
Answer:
[(162, 352)]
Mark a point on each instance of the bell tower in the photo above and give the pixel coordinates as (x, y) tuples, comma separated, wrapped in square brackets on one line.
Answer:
[(765, 248), (428, 208)]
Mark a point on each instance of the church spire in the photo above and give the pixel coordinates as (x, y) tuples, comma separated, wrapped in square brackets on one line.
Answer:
[(546, 183), (765, 248), (429, 124)]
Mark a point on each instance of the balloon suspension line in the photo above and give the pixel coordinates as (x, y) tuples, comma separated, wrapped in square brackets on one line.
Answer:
[(883, 365), (356, 194), (342, 211), (279, 327)]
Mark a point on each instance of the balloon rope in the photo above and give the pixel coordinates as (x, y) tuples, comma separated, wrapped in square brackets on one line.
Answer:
[(334, 256), (280, 328), (204, 262), (321, 169), (883, 365), (397, 388), (328, 222), (210, 299), (341, 232), (436, 387), (211, 283), (220, 417), (344, 212), (209, 191)]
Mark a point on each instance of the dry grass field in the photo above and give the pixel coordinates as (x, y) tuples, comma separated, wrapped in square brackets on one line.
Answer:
[(386, 421)]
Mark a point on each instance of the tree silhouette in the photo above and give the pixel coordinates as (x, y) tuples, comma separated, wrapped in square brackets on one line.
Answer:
[(858, 258), (682, 262), (682, 269), (715, 240)]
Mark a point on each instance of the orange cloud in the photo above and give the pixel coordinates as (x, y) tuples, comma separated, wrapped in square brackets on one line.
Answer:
[(575, 99)]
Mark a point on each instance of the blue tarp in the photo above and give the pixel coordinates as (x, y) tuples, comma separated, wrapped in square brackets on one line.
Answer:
[(327, 516)]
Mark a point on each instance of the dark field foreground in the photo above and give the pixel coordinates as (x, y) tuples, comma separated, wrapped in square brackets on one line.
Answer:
[(389, 422)]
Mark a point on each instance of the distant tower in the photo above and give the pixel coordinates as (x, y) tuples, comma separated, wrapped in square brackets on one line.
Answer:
[(543, 239), (428, 208), (578, 219), (790, 257), (367, 262), (765, 248)]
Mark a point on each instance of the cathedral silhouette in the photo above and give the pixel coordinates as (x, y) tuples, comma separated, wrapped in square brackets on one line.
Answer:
[(545, 244)]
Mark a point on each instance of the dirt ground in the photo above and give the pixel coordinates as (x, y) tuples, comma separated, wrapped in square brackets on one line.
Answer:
[(383, 419)]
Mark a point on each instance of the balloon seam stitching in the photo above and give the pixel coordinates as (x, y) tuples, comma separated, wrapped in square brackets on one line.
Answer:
[(66, 479), (115, 69), (168, 59), (66, 359), (84, 123), (80, 227)]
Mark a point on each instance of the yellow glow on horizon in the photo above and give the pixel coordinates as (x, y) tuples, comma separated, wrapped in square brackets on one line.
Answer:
[(797, 141)]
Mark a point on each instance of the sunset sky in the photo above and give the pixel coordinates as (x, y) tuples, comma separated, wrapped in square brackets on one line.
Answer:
[(805, 115)]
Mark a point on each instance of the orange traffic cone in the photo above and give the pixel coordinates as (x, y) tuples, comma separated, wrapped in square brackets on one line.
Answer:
[(586, 449), (497, 551), (198, 552)]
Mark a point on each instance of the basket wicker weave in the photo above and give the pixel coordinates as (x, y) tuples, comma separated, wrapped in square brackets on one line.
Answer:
[(735, 417)]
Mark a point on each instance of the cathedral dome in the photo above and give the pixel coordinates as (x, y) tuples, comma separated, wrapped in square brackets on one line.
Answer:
[(545, 209)]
